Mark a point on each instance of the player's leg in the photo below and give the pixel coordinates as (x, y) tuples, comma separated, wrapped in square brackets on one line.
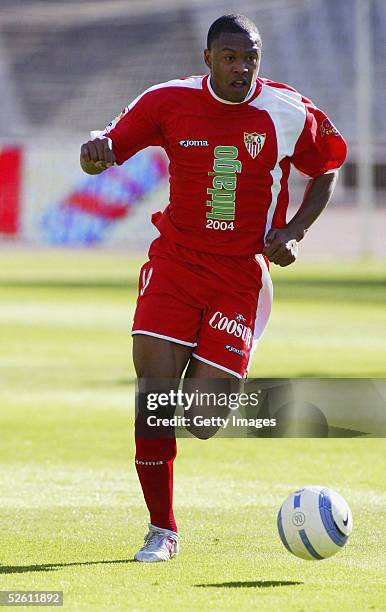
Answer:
[(165, 328), (210, 381), (159, 365), (233, 322), (158, 358)]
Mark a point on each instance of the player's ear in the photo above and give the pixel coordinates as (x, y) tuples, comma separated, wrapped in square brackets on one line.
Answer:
[(207, 58)]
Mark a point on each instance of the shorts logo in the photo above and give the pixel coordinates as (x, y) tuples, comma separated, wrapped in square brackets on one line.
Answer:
[(233, 349), (232, 327), (328, 129), (254, 143), (193, 143), (146, 276)]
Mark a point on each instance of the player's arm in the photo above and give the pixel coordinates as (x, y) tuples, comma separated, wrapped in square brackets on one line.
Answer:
[(96, 156), (319, 152), (137, 127), (281, 244), (317, 195)]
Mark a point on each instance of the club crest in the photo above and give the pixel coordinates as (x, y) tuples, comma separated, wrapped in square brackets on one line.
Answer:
[(254, 143), (328, 129)]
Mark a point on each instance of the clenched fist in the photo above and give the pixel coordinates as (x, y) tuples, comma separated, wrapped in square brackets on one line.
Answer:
[(281, 247), (97, 155)]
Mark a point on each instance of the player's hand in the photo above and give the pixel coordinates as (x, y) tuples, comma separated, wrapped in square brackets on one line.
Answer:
[(281, 247), (98, 153)]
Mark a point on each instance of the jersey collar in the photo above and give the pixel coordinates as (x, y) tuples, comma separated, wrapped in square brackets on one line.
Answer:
[(253, 93)]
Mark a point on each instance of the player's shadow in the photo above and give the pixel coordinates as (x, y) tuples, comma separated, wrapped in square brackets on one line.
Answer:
[(51, 567), (254, 583)]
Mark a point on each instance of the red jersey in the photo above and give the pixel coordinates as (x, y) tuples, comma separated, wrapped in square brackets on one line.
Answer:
[(229, 162)]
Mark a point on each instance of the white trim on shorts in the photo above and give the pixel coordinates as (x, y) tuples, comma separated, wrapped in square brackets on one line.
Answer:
[(264, 306), (216, 365), (176, 340)]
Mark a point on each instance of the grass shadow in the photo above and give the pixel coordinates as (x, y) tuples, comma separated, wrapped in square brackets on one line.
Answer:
[(251, 584), (49, 567)]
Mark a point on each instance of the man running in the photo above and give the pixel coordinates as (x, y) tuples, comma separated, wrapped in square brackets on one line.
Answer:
[(205, 292)]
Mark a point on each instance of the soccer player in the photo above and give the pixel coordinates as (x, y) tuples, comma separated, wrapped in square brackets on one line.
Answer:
[(205, 291)]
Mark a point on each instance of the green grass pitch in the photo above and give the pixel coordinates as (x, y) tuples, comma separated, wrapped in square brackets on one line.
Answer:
[(72, 514)]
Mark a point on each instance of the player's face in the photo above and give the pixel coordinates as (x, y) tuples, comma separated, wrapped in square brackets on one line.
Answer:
[(234, 61)]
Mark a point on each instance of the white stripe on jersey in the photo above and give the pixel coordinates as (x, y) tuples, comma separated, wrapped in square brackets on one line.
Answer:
[(276, 174), (288, 113), (194, 82)]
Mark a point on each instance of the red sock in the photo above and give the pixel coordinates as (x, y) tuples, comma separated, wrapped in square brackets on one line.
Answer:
[(154, 462)]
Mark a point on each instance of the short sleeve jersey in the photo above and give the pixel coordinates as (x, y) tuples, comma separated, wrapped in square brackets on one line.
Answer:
[(229, 162)]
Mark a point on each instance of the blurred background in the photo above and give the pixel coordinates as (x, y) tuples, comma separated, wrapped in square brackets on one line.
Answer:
[(70, 249), (67, 68), (71, 244)]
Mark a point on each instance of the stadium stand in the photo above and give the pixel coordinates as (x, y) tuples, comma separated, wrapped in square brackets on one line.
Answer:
[(67, 68)]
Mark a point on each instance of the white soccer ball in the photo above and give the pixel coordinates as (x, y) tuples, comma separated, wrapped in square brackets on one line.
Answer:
[(314, 523)]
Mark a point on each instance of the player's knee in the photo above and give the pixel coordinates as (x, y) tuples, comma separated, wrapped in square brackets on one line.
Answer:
[(202, 433)]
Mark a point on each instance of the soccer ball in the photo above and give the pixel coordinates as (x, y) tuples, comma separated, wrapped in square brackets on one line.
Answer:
[(314, 523)]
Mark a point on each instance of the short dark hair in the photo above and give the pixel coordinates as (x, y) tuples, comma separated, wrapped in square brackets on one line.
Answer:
[(232, 23)]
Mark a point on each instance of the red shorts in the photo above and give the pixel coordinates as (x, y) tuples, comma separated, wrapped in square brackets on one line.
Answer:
[(218, 305)]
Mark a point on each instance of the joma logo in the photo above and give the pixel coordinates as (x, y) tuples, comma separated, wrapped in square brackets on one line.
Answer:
[(193, 143)]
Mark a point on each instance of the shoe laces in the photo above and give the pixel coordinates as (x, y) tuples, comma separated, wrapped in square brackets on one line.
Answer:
[(153, 539)]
